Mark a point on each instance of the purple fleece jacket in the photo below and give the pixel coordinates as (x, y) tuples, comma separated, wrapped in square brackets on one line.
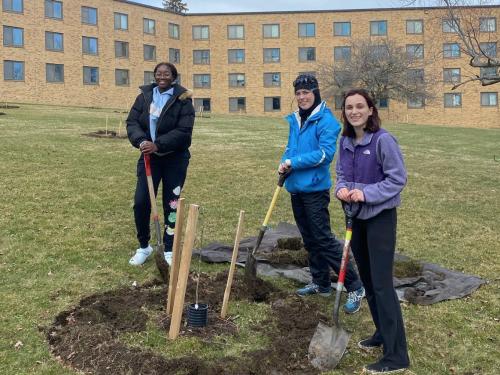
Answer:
[(381, 195)]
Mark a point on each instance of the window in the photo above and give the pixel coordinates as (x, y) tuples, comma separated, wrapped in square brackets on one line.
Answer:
[(271, 55), (149, 52), (415, 75), (342, 53), (174, 55), (487, 24), (149, 77), (489, 48), (89, 45), (53, 9), (237, 105), (13, 70), (149, 26), (311, 73), (416, 102), (271, 31), (272, 103), (236, 32), (89, 15), (235, 56), (451, 50), (121, 21), (90, 75), (202, 104), (55, 73), (339, 100), (451, 75), (414, 26), (13, 36), (488, 72), (54, 41), (489, 99), (379, 51), (450, 25), (236, 80), (452, 100), (415, 51), (307, 54), (201, 56), (383, 103), (122, 77), (201, 81), (307, 30), (121, 49), (342, 28), (272, 79), (201, 33), (13, 6), (174, 31), (378, 27)]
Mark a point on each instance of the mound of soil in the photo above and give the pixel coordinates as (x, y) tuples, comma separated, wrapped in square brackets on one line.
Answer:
[(8, 106), (106, 134), (86, 337)]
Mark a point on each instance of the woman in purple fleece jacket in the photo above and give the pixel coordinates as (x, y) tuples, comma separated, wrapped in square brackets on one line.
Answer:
[(370, 169)]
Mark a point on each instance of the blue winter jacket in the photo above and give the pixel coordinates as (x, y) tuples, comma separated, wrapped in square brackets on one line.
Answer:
[(311, 148)]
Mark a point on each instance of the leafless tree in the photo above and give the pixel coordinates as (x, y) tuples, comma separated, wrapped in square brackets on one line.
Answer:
[(176, 6)]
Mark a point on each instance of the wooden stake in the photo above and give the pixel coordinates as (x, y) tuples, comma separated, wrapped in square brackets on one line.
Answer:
[(176, 256), (180, 290), (239, 232)]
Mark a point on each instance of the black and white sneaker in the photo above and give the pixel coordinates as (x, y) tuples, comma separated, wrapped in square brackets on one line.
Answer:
[(369, 344), (380, 368)]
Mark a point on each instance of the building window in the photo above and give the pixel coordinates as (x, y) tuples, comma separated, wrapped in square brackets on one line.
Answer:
[(307, 30), (89, 15), (307, 54), (53, 9), (451, 50), (311, 73), (271, 55), (149, 52), (451, 25), (235, 56), (487, 24), (415, 51), (90, 75), (383, 103), (415, 75), (342, 53), (272, 79), (236, 32), (201, 56), (452, 100), (272, 103), (54, 41), (149, 77), (342, 28), (236, 80), (488, 72), (489, 48), (271, 31), (201, 32), (55, 73), (174, 55), (174, 31), (451, 75), (15, 6), (122, 77), (149, 26), (237, 105), (202, 104), (414, 26), (121, 49), (201, 81), (13, 70), (489, 99), (13, 36), (416, 102), (121, 21), (89, 45), (378, 28)]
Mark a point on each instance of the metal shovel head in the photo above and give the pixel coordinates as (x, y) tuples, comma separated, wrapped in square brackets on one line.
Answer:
[(328, 346)]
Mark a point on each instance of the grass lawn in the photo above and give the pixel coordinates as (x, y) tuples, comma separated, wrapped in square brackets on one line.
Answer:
[(66, 225)]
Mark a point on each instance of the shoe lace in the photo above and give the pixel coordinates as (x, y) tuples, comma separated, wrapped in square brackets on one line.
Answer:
[(352, 297)]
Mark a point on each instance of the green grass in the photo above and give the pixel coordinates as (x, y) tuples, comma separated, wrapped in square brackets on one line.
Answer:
[(66, 226)]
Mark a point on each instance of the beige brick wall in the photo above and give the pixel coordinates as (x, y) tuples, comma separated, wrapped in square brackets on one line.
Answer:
[(35, 89)]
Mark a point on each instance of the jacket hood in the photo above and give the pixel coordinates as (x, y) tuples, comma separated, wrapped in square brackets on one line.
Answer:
[(179, 90)]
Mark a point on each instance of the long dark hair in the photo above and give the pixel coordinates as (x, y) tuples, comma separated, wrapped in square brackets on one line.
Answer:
[(373, 123), (171, 66)]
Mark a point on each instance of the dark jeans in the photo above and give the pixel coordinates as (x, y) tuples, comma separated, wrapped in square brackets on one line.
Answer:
[(172, 173), (313, 219), (373, 244)]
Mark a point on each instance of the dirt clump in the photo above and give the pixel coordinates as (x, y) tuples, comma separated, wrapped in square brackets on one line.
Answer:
[(106, 134)]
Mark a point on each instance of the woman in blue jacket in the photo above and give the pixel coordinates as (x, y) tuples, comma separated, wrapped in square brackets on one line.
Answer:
[(308, 155), (370, 169)]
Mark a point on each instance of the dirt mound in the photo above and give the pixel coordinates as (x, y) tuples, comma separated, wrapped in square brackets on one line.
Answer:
[(106, 134)]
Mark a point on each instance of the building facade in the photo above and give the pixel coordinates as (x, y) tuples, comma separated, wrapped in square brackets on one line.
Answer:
[(96, 53)]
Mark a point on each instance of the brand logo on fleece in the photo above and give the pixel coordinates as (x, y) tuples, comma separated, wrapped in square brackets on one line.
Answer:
[(366, 152)]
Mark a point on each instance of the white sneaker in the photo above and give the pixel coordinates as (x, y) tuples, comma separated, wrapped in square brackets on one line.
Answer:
[(140, 256), (168, 257)]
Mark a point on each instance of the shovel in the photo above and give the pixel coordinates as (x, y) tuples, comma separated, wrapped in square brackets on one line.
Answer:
[(161, 263), (329, 343)]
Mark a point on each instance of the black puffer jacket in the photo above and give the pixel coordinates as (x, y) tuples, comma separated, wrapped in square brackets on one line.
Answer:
[(175, 125)]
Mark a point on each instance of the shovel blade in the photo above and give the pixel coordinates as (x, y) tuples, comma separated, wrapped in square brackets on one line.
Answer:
[(328, 346)]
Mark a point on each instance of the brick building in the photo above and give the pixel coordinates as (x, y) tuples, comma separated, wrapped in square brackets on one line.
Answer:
[(97, 52)]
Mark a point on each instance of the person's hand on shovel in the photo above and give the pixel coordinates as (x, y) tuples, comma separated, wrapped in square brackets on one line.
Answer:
[(285, 166), (357, 195), (148, 147)]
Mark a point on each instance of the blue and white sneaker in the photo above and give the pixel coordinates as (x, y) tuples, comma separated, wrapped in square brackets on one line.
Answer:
[(353, 303), (168, 257), (312, 288)]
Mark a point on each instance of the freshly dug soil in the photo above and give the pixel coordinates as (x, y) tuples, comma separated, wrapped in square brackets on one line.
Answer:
[(407, 268), (104, 134)]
